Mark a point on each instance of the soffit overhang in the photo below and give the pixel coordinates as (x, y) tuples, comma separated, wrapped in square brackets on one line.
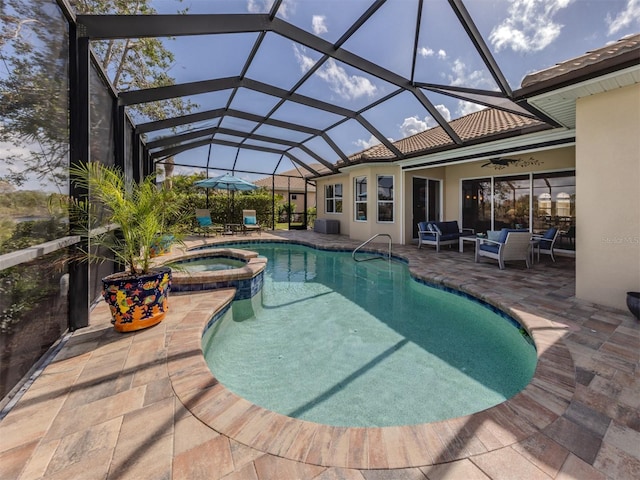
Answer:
[(560, 104), (533, 142)]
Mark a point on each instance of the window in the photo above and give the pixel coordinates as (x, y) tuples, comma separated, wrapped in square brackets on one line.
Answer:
[(385, 198), (360, 198), (333, 198), (294, 196), (535, 201), (554, 205)]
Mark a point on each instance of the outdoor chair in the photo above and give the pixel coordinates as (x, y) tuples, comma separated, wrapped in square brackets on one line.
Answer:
[(545, 243), (250, 222), (205, 225), (511, 245), (570, 235)]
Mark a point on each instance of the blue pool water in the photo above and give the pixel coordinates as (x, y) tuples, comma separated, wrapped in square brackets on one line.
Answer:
[(342, 343)]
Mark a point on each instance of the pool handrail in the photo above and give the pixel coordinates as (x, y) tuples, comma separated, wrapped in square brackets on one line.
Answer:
[(353, 254)]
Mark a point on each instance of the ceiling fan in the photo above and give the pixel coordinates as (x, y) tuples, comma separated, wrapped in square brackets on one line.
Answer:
[(500, 162)]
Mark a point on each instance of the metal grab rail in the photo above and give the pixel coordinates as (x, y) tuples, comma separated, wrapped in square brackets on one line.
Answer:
[(353, 254)]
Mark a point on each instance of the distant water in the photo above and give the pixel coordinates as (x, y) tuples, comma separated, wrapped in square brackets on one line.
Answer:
[(31, 218)]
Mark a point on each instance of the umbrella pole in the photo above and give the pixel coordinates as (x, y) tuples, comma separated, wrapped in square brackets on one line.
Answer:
[(208, 160)]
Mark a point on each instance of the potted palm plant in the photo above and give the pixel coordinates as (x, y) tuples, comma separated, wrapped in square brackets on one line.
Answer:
[(123, 220)]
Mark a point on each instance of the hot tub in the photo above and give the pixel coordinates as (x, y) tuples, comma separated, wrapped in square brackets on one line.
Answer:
[(230, 267)]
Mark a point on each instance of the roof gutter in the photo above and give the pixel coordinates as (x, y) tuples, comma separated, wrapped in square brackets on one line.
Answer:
[(625, 60)]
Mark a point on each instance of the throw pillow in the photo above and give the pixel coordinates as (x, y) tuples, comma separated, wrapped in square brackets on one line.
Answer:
[(250, 220), (204, 221)]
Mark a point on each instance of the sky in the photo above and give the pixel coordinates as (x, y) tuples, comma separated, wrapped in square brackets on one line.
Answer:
[(524, 36)]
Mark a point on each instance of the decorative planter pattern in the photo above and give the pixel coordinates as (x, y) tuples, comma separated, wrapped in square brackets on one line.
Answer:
[(137, 302)]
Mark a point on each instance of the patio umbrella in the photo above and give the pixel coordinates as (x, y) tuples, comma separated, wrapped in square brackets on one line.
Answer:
[(226, 182)]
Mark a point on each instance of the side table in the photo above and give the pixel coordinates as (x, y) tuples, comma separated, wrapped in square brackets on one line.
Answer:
[(469, 239)]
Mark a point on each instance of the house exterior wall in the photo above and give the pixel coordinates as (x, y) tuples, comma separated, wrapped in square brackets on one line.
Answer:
[(451, 176), (608, 196), (343, 217), (363, 230)]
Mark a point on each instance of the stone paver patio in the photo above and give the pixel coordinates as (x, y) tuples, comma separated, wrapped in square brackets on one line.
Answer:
[(145, 406)]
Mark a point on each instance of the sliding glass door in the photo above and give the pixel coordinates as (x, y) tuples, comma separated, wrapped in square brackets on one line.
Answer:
[(511, 198), (554, 205), (426, 201), (535, 202), (476, 204)]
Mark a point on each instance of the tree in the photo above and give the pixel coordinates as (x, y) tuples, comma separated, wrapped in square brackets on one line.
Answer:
[(34, 102), (34, 88), (136, 63)]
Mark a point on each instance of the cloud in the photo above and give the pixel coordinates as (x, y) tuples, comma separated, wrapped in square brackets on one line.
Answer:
[(259, 6), (264, 6), (425, 52), (465, 108), (412, 125), (366, 144), (346, 86), (318, 23), (429, 52), (444, 111), (530, 26), (305, 61), (461, 77), (626, 18)]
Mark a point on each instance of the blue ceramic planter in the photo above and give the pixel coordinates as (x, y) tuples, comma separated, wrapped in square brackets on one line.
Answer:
[(137, 302), (633, 303)]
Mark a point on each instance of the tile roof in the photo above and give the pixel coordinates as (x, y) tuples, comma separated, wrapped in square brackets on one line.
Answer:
[(475, 126), (282, 180), (491, 123), (627, 46)]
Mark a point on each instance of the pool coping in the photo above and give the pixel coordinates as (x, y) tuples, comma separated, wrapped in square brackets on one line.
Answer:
[(253, 265), (538, 405)]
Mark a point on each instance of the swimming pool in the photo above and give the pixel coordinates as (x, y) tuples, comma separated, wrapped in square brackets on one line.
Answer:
[(342, 343)]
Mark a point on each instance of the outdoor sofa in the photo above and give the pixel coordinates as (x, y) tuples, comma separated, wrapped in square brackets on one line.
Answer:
[(441, 233)]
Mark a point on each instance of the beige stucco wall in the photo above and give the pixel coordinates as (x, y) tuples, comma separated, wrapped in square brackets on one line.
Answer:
[(359, 230), (608, 196), (346, 195)]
